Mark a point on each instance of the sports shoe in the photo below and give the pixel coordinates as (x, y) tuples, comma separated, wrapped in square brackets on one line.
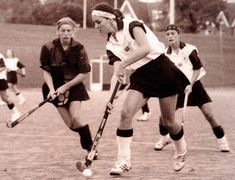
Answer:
[(223, 144), (2, 103), (15, 115), (144, 117), (121, 167), (179, 161), (164, 140)]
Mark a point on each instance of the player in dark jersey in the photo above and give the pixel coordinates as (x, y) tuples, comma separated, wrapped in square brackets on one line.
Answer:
[(65, 65)]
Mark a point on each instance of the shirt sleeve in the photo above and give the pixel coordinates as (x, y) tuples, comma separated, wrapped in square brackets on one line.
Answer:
[(45, 59), (84, 66), (20, 65), (195, 60), (112, 57), (135, 24)]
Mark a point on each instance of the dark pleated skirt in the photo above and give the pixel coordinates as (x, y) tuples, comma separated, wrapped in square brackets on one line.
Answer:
[(76, 93), (197, 97), (158, 78)]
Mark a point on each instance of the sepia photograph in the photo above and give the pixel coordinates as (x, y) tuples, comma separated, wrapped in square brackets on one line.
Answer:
[(117, 89)]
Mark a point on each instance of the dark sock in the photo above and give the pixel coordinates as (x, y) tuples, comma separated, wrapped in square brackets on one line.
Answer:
[(85, 137), (163, 130), (145, 108), (219, 132), (11, 106)]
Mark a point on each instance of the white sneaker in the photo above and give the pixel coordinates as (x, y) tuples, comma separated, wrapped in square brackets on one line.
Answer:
[(179, 161), (164, 140), (121, 167), (2, 103), (15, 115), (144, 117), (223, 144)]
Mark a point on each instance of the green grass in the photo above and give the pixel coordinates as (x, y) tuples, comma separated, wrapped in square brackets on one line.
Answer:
[(26, 41)]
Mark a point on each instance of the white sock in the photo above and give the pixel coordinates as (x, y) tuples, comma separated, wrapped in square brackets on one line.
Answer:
[(180, 146), (124, 148)]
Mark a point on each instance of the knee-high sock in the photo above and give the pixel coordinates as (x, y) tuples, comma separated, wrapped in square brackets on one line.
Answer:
[(218, 132), (124, 139), (85, 137), (145, 108), (179, 142)]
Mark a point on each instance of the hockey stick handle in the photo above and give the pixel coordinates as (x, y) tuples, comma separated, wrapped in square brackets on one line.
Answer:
[(25, 115), (116, 88), (99, 133)]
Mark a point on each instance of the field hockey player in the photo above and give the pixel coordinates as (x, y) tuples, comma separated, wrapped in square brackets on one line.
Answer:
[(154, 75), (185, 57), (65, 65), (14, 68), (15, 114)]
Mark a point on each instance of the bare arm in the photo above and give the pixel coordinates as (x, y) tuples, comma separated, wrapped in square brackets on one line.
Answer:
[(143, 47)]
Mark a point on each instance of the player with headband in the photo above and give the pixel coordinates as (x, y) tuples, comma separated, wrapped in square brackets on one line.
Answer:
[(154, 75), (185, 57)]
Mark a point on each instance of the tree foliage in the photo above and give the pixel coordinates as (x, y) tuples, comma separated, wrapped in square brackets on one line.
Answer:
[(191, 14)]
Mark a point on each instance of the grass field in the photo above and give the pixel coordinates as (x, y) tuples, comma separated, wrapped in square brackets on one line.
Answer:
[(216, 53), (41, 147)]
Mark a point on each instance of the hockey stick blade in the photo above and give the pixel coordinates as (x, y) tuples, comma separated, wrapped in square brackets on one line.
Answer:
[(90, 157), (25, 115)]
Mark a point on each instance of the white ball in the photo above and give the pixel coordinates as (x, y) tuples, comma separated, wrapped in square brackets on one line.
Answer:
[(87, 173)]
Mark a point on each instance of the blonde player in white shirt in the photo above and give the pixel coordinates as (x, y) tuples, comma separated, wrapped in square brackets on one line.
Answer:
[(3, 88), (154, 75), (185, 57), (13, 65)]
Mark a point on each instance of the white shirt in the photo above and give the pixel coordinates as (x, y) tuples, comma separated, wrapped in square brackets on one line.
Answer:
[(124, 45), (3, 73), (11, 64), (182, 61)]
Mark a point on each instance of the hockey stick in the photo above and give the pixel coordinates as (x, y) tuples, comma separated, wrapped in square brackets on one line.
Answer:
[(25, 115), (81, 167), (185, 107), (122, 91)]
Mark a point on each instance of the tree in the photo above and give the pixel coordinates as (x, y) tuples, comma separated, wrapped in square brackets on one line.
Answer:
[(191, 14)]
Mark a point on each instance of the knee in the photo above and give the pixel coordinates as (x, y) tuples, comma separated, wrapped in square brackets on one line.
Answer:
[(168, 122), (126, 114)]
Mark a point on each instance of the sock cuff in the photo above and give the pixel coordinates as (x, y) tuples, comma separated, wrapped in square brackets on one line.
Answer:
[(124, 133), (177, 136), (163, 130), (11, 106), (80, 129)]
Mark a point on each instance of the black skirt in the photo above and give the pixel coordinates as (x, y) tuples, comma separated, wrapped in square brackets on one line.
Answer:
[(12, 77), (158, 78), (3, 85), (76, 93), (197, 97)]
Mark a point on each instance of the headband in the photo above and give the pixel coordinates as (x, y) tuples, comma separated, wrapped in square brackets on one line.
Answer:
[(103, 14), (66, 20), (172, 27)]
